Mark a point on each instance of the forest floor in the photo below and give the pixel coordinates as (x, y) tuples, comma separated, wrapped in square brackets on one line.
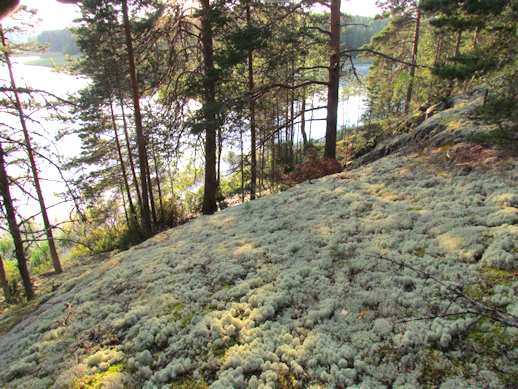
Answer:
[(345, 281)]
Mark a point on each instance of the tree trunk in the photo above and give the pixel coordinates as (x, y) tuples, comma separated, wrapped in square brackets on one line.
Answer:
[(220, 151), (242, 166), (262, 151), (333, 82), (253, 151), (158, 184), (32, 160), (130, 153), (209, 102), (141, 138), (303, 121), (458, 43), (132, 211), (415, 48), (14, 230), (126, 215)]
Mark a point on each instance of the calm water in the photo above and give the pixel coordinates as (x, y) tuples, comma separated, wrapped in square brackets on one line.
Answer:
[(44, 128)]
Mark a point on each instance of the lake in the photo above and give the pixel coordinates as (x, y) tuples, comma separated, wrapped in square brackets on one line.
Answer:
[(44, 128)]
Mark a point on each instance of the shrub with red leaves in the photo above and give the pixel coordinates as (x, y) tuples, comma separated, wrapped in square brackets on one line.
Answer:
[(313, 169)]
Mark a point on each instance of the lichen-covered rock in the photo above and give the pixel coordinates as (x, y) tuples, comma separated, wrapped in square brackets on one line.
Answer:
[(295, 290)]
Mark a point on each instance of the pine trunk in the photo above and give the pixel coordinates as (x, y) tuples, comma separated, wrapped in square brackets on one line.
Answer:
[(32, 160), (132, 211), (130, 154), (242, 166), (158, 183), (141, 138), (415, 48), (253, 151), (303, 122), (10, 214), (209, 101), (333, 81)]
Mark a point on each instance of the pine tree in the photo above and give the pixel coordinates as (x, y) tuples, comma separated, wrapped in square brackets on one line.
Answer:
[(32, 159)]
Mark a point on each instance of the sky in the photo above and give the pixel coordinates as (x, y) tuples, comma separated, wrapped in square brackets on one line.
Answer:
[(55, 16), (360, 7)]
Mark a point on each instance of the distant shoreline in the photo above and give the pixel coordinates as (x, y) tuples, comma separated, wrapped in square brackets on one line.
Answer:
[(48, 59)]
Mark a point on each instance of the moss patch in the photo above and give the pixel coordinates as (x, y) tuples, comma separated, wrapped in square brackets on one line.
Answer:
[(190, 383), (98, 380)]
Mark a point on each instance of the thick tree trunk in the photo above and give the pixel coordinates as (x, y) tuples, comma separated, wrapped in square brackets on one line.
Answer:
[(14, 230), (253, 151), (333, 81), (141, 138), (209, 102), (132, 210), (32, 160), (415, 48)]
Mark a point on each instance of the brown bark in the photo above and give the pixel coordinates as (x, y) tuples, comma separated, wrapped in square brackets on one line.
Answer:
[(242, 166), (14, 230), (253, 151), (415, 48), (209, 102), (333, 81), (141, 138), (32, 160)]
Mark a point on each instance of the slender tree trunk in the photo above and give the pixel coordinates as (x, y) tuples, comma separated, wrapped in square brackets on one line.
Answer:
[(171, 180), (415, 48), (242, 166), (209, 102), (253, 151), (277, 124), (152, 198), (130, 153), (141, 138), (220, 151), (14, 230), (32, 160), (4, 283), (286, 157), (126, 214), (333, 81), (438, 50), (132, 210), (158, 184), (303, 121), (458, 43), (261, 180), (476, 36)]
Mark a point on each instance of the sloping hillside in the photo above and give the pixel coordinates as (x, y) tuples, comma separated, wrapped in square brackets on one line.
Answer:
[(333, 283)]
